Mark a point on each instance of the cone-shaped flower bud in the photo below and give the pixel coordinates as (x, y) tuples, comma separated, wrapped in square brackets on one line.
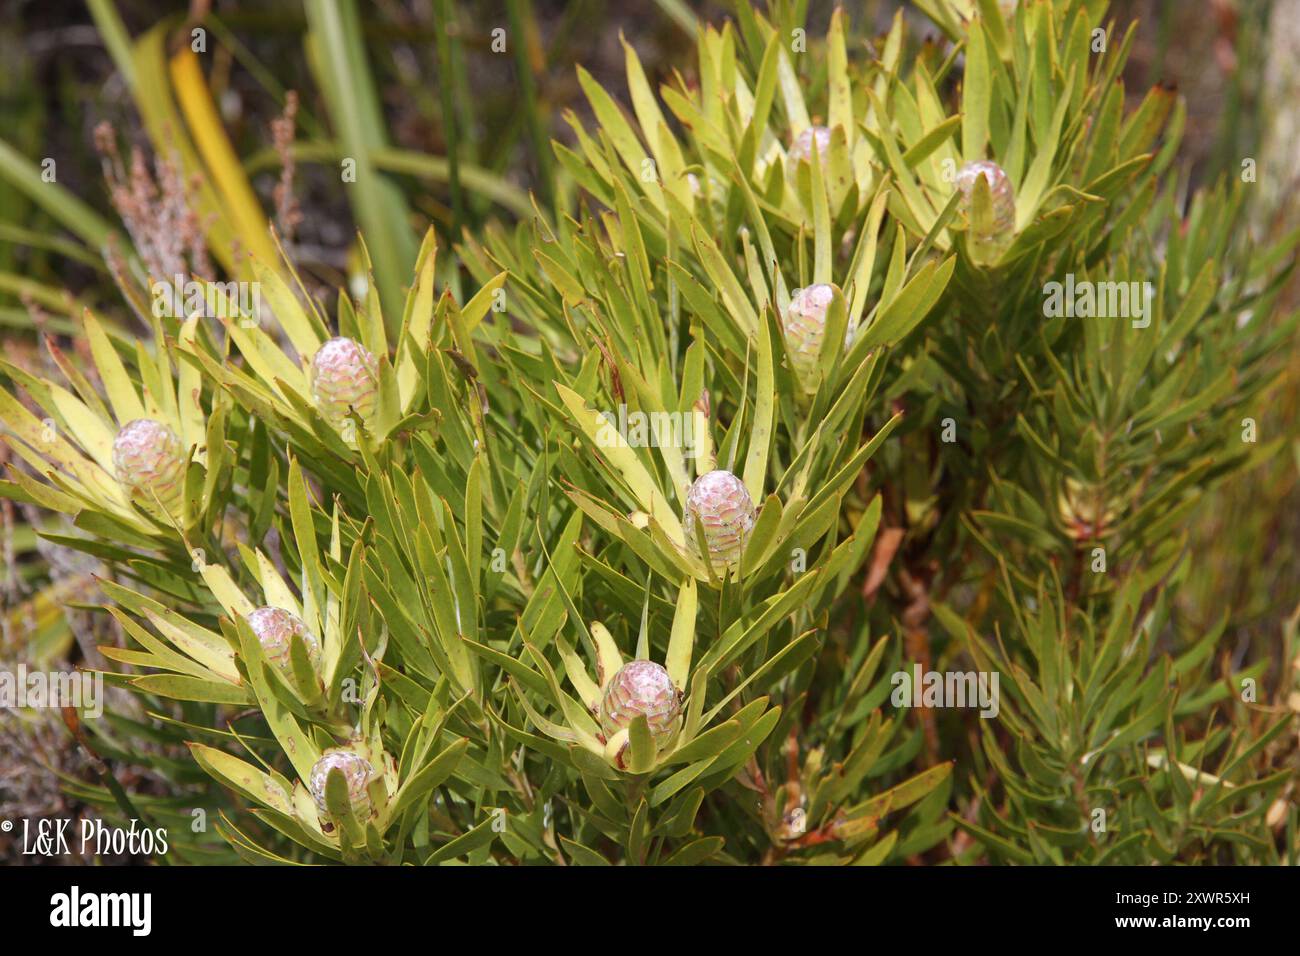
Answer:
[(802, 147), (641, 688), (989, 236), (344, 374), (1085, 510), (719, 509), (150, 460), (805, 327), (275, 628), (356, 770)]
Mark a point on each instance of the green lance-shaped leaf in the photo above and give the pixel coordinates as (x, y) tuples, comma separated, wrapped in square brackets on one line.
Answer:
[(244, 777), (613, 447), (435, 772), (682, 642), (977, 89), (298, 746)]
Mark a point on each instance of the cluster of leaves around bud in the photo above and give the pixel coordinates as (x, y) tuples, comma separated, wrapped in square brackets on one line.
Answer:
[(452, 652)]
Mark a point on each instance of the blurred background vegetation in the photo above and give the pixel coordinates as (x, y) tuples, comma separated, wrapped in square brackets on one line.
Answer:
[(448, 98), (461, 130)]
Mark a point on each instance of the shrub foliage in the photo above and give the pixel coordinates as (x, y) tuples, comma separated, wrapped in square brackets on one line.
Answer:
[(944, 471)]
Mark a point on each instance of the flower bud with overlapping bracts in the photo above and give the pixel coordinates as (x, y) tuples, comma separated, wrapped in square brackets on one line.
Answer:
[(988, 238), (357, 772), (719, 511), (275, 629), (805, 328), (641, 689), (150, 460), (344, 376)]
